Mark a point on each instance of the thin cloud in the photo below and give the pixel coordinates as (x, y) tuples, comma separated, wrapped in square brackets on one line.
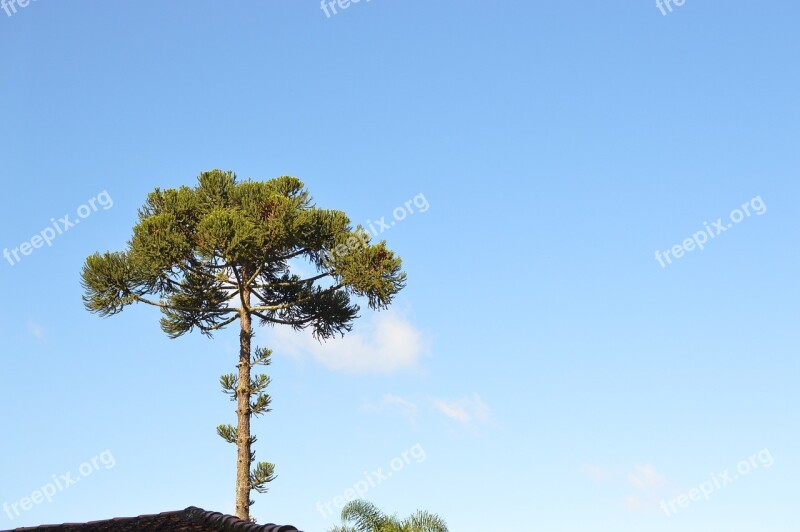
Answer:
[(467, 411), (393, 404), (597, 473), (649, 486), (646, 478), (36, 330), (385, 343), (636, 504)]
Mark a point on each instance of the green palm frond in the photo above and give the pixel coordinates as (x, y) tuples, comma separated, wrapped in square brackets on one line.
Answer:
[(363, 516)]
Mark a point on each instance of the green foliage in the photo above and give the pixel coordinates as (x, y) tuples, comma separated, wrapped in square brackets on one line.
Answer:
[(262, 401), (194, 249), (262, 474), (229, 383), (228, 433), (261, 357), (363, 516), (222, 251)]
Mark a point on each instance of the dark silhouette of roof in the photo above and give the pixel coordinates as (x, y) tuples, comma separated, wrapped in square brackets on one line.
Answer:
[(189, 520)]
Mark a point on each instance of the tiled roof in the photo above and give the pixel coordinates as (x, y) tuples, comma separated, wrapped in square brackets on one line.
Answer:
[(189, 520)]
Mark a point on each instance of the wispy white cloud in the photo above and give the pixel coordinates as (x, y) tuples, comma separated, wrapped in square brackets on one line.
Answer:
[(597, 473), (36, 330), (635, 503), (393, 404), (384, 343), (646, 478), (649, 486), (468, 411)]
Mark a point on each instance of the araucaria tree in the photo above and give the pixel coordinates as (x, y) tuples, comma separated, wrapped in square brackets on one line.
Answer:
[(226, 251)]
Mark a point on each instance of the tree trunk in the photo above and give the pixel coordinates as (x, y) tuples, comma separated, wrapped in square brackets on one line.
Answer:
[(243, 442)]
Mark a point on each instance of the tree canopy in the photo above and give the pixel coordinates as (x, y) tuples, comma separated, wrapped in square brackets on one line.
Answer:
[(227, 250), (194, 249)]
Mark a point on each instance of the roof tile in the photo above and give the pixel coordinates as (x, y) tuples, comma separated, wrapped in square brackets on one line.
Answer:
[(191, 519)]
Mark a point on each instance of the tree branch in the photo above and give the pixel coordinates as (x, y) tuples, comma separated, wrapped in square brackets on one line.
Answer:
[(292, 255), (282, 322), (292, 303), (258, 272), (310, 279), (180, 309), (220, 325)]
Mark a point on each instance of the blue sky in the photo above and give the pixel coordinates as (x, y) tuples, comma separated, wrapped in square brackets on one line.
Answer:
[(541, 371)]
